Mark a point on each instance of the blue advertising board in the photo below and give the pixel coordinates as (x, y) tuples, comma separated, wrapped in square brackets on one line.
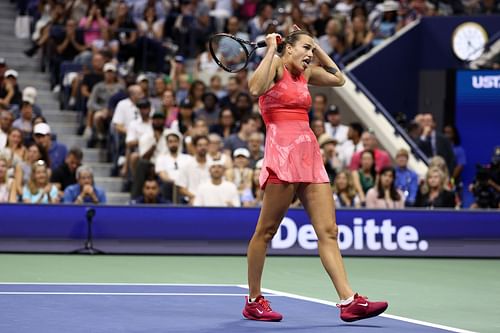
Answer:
[(477, 118), (184, 230)]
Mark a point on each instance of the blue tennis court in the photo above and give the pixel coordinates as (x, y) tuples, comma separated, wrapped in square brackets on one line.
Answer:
[(173, 308)]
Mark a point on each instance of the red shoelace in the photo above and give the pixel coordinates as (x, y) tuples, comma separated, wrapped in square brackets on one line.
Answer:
[(265, 304)]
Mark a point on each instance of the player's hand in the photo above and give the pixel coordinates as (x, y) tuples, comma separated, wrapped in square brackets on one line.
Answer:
[(272, 40)]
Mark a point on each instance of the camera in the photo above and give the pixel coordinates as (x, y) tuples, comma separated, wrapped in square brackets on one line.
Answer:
[(485, 194)]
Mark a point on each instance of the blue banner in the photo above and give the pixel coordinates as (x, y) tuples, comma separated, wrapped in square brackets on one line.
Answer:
[(361, 232)]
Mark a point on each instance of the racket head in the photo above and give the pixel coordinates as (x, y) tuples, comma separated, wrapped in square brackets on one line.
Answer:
[(229, 52)]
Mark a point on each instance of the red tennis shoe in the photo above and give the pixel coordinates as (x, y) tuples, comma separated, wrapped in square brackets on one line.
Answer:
[(361, 308), (260, 310)]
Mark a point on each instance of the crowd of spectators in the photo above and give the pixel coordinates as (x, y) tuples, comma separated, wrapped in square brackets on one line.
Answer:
[(178, 130)]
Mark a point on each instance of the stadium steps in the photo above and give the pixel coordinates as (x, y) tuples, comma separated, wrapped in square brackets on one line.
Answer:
[(62, 122)]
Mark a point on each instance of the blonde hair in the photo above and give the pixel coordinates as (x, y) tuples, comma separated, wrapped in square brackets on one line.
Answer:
[(32, 182), (350, 190), (439, 162), (434, 169)]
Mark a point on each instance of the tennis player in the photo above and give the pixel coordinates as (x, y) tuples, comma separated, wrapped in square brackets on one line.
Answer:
[(293, 165)]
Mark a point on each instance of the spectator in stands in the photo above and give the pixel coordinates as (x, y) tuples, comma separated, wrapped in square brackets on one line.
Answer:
[(217, 88), (365, 177), (202, 28), (98, 115), (253, 197), (226, 126), (169, 164), (217, 192), (233, 90), (150, 26), (57, 151), (385, 195), (159, 87), (451, 133), (68, 43), (195, 94), (3, 69), (319, 24), (319, 107), (7, 185), (85, 191), (240, 174), (215, 146), (333, 125), (24, 122), (326, 41), (358, 34), (39, 189), (439, 162), (22, 173), (240, 139), (387, 22), (15, 144), (91, 79), (9, 90), (257, 26), (95, 27), (151, 143), (256, 148), (211, 110), (353, 143), (123, 29), (135, 131), (30, 94), (369, 141), (185, 118), (433, 143), (331, 159), (406, 179), (432, 193), (318, 127), (169, 107), (243, 106), (6, 120), (65, 175), (196, 172), (150, 194), (344, 192)]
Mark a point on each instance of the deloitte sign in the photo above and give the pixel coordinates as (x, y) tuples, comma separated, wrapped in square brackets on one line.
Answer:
[(364, 235)]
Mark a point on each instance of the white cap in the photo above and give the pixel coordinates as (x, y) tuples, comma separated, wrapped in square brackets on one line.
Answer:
[(30, 91), (212, 163), (29, 99), (10, 72), (141, 77), (390, 6), (259, 164), (41, 128), (241, 152), (109, 66)]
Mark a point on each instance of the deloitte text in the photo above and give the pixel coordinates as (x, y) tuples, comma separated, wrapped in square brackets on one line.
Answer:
[(486, 81), (364, 235)]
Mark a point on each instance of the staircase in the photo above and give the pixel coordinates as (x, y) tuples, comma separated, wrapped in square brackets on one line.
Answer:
[(62, 122)]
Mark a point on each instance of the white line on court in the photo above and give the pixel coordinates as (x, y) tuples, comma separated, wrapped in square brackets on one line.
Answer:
[(120, 294), (118, 284), (409, 320)]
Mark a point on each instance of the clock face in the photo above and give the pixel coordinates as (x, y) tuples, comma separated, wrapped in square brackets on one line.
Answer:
[(469, 40)]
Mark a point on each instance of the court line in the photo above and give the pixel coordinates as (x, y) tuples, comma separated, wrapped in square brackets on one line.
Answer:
[(409, 320), (119, 294), (118, 284)]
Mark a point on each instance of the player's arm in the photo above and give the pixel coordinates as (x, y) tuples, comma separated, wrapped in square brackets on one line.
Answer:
[(266, 72), (327, 73)]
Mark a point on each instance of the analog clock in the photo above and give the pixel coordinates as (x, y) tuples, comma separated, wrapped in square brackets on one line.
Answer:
[(468, 41)]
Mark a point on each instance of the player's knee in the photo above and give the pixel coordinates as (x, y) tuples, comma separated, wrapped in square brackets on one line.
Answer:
[(330, 232), (267, 233)]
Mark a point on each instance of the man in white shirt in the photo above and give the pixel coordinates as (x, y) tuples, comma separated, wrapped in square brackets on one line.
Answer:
[(217, 192), (333, 125), (169, 164), (352, 145), (195, 172), (6, 120), (136, 129), (126, 110)]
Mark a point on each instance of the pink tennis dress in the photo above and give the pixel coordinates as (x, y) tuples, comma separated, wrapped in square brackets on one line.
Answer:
[(291, 151)]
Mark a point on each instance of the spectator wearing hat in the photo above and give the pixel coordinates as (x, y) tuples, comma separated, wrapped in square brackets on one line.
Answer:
[(195, 172), (217, 192), (57, 151), (211, 110), (29, 94), (98, 115), (85, 190), (240, 174), (331, 159), (24, 122), (169, 164), (185, 119), (406, 179), (9, 90), (6, 121), (333, 125)]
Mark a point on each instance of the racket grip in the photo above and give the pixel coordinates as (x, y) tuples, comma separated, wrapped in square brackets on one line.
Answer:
[(262, 43)]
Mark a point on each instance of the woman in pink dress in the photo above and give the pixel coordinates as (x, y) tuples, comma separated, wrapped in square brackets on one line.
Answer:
[(293, 166)]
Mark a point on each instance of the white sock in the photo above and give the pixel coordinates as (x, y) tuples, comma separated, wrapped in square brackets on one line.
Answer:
[(347, 301), (251, 300)]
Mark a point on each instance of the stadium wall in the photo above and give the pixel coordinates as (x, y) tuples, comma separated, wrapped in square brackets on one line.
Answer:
[(188, 230)]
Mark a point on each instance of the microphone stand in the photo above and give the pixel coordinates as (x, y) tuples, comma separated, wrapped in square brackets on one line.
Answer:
[(89, 246)]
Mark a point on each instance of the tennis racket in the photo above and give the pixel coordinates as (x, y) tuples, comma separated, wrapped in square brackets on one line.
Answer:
[(232, 53)]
